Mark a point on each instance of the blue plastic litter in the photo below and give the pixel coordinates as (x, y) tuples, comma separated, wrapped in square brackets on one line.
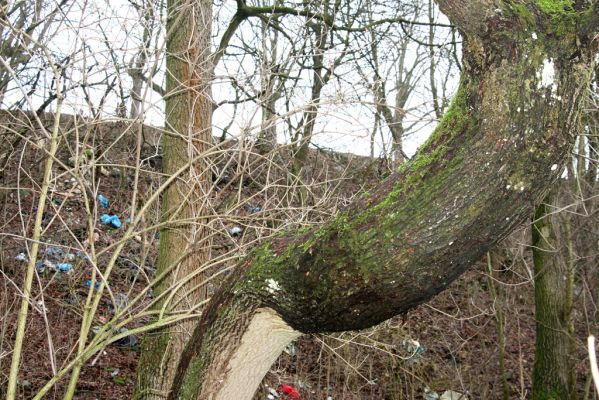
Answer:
[(22, 257), (55, 252), (82, 255), (103, 201), (252, 209), (89, 282), (64, 267), (111, 220), (40, 266)]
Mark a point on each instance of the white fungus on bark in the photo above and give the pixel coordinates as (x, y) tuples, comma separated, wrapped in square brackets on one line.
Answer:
[(272, 285)]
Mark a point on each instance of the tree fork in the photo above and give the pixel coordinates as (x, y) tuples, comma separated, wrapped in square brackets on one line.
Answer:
[(493, 156)]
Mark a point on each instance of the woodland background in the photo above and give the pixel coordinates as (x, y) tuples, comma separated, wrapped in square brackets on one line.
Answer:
[(307, 114)]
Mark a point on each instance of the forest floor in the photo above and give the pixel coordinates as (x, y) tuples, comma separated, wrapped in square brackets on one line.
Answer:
[(450, 343)]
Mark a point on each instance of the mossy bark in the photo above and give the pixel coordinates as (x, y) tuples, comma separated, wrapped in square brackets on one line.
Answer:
[(184, 247), (553, 373), (491, 159)]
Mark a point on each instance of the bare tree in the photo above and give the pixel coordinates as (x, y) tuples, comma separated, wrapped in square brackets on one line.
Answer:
[(150, 12)]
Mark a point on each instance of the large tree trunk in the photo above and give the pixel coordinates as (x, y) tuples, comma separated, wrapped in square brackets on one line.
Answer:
[(184, 246), (492, 157)]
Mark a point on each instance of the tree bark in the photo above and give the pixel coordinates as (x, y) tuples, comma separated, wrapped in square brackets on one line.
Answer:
[(493, 156), (553, 372), (184, 247)]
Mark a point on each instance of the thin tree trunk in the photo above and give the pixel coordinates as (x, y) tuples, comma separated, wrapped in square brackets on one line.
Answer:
[(267, 139), (183, 247), (500, 319), (553, 376)]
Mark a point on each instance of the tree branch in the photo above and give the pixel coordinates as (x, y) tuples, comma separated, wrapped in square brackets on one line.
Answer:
[(135, 73), (329, 20)]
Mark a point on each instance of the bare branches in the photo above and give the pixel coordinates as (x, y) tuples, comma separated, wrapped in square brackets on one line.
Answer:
[(327, 19)]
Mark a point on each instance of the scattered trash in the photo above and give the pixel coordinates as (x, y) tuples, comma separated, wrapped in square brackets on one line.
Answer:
[(72, 299), (272, 394), (103, 319), (451, 395), (235, 231), (120, 302), (42, 306), (59, 254), (64, 267), (111, 220), (96, 329), (115, 372), (290, 349), (40, 265), (414, 350), (82, 256), (89, 282), (251, 209), (128, 341), (289, 390), (430, 394), (54, 252), (22, 257), (412, 346), (103, 201)]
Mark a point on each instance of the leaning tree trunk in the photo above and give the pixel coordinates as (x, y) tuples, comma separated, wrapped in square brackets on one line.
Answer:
[(184, 246), (492, 157)]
